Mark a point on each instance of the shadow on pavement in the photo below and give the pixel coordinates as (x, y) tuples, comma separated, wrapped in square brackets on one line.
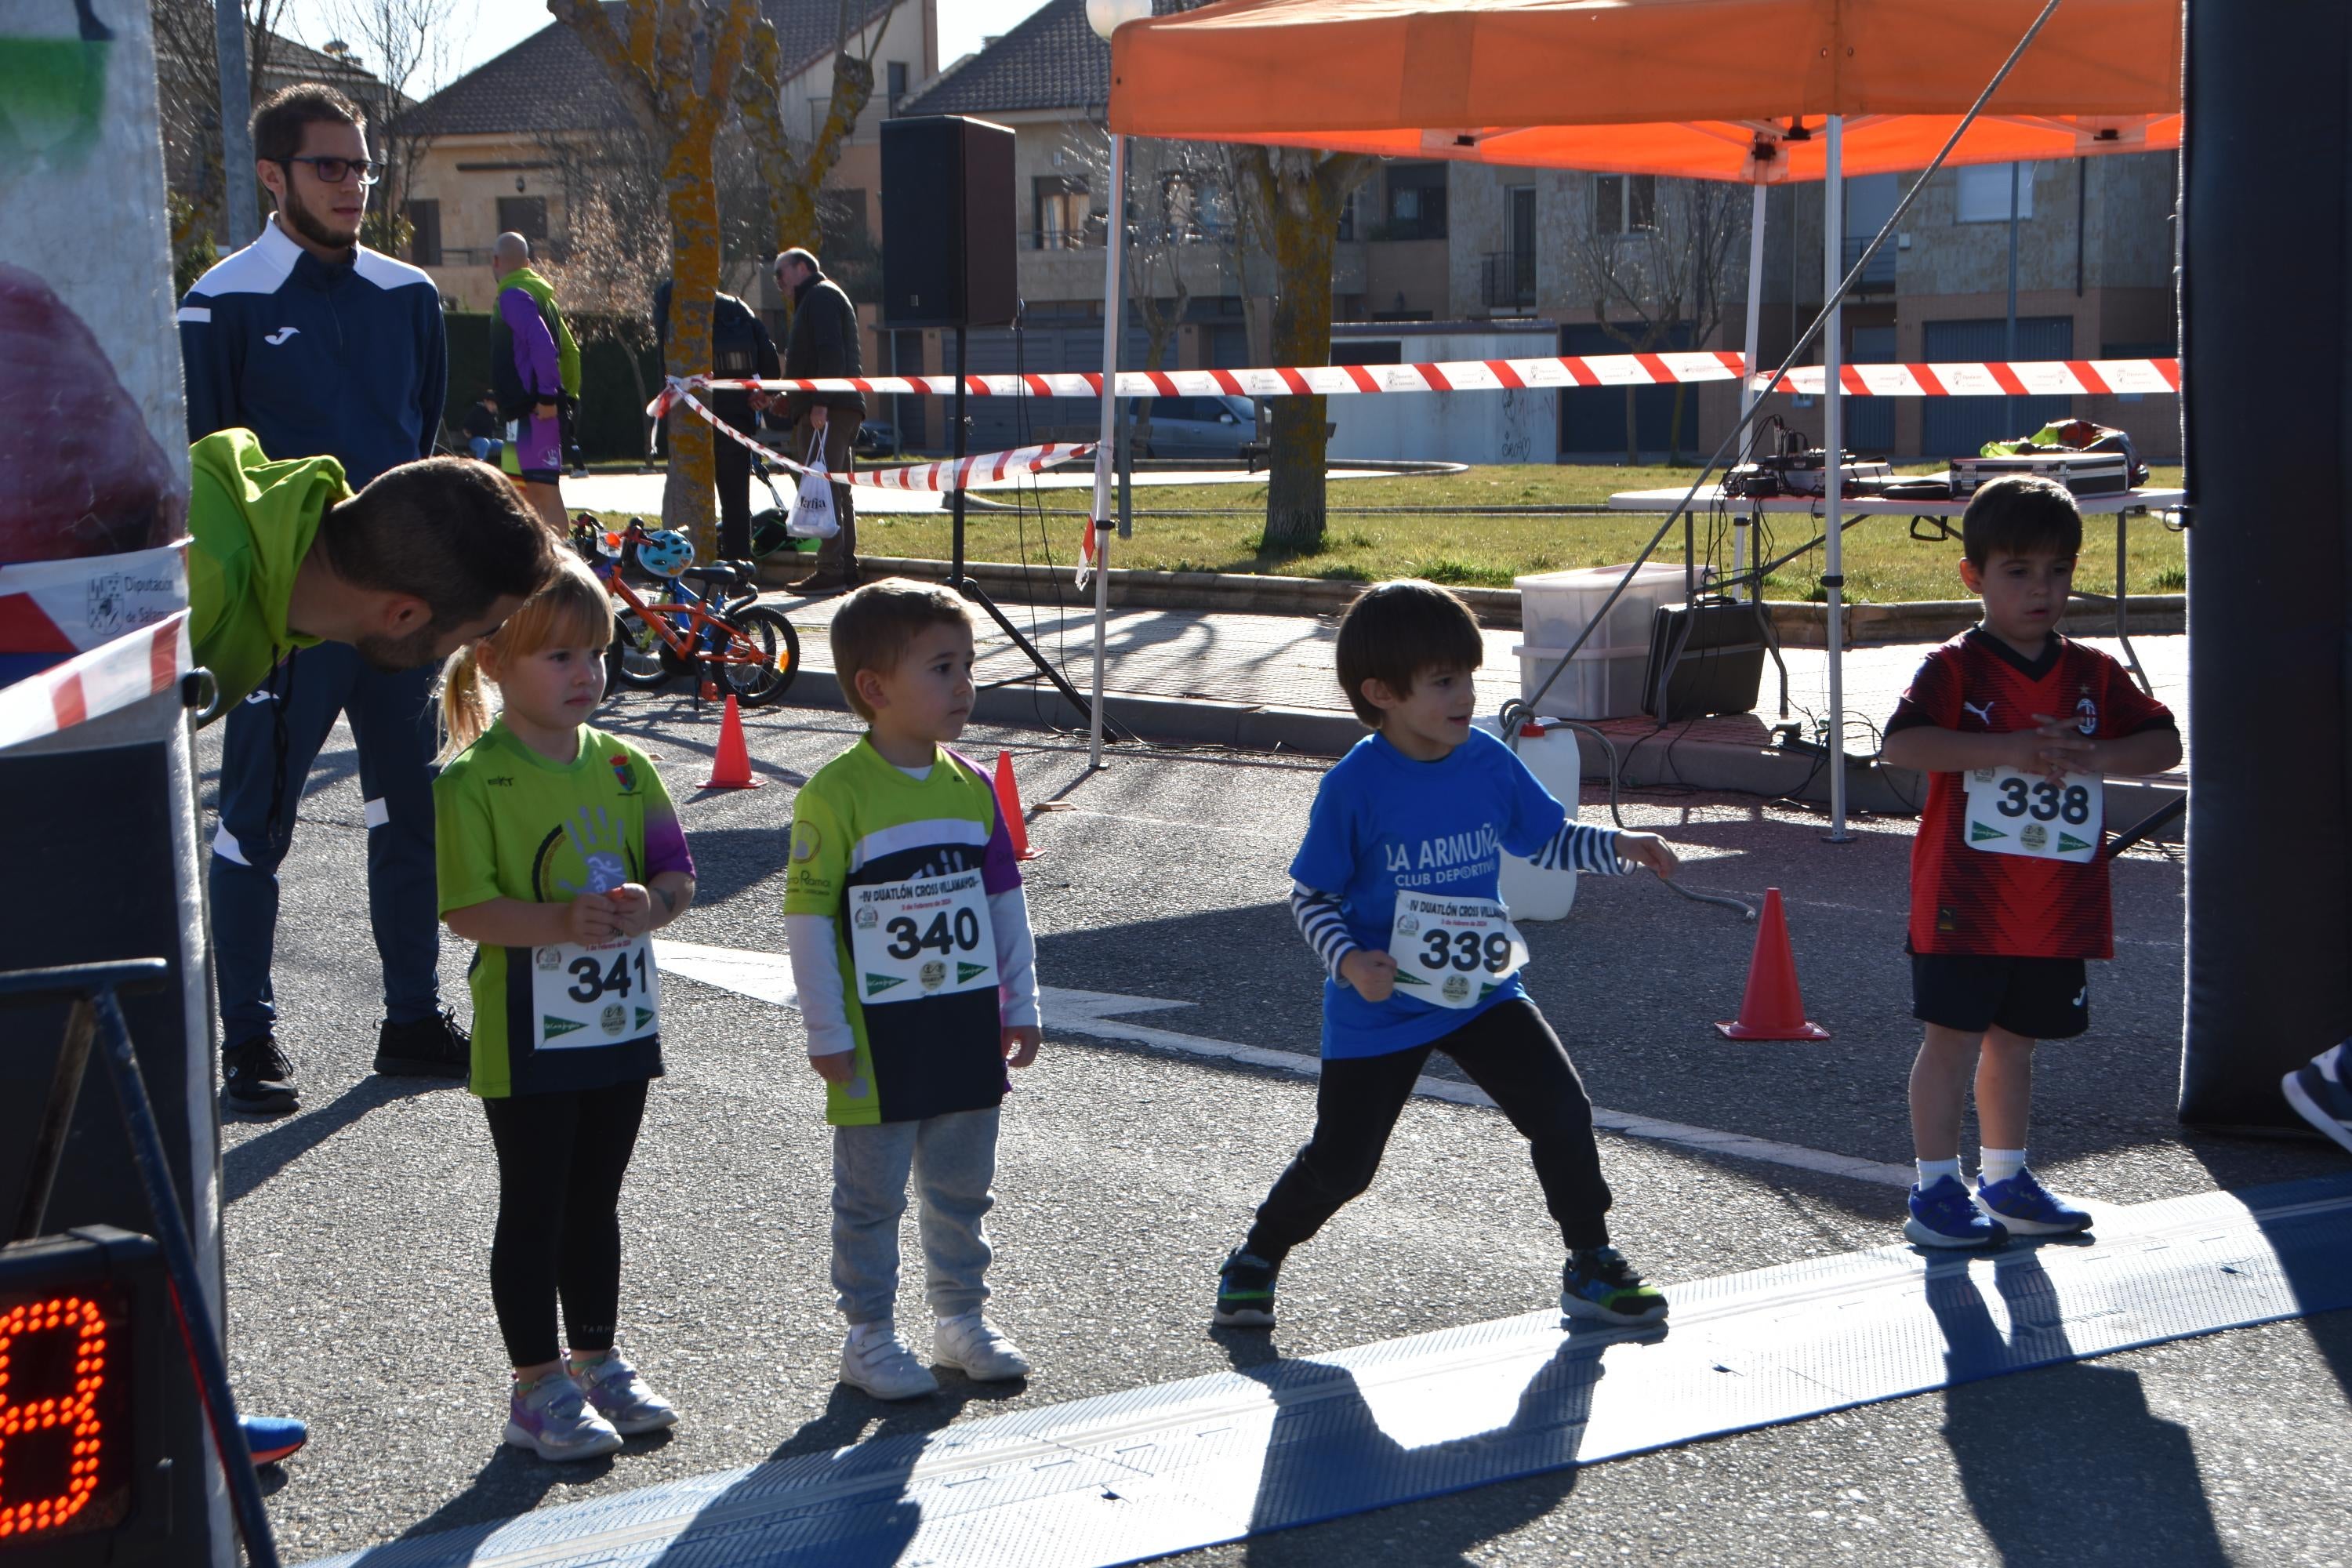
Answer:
[(2071, 1464), (509, 1485), (262, 1156), (870, 1448), (1327, 1457)]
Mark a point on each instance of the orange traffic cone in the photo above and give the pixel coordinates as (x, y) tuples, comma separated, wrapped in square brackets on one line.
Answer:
[(730, 768), (1771, 1010), (1008, 805)]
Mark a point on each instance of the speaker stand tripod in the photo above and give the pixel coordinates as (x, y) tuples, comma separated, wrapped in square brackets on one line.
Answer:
[(963, 584)]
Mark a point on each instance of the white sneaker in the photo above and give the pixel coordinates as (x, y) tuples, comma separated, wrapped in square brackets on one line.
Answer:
[(553, 1419), (875, 1359), (976, 1350)]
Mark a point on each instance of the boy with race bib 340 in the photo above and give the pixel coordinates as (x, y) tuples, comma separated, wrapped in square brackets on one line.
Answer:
[(559, 852), (1395, 888), (2017, 726), (917, 974)]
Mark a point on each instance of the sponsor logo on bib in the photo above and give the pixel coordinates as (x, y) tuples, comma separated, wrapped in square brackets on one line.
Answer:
[(1980, 831), (551, 1026), (2033, 835), (966, 971), (934, 975), (877, 984), (1457, 987), (1409, 926), (547, 958), (614, 1018), (865, 919)]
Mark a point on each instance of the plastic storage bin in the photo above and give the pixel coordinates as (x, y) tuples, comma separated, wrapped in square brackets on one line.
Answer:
[(1554, 606), (1597, 685)]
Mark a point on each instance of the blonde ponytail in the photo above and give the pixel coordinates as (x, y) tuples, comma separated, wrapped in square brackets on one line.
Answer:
[(465, 707)]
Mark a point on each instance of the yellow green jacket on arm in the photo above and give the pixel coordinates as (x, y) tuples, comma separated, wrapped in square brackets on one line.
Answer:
[(250, 522), (567, 352)]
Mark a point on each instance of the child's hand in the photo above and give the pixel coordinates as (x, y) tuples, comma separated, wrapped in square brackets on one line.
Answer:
[(2053, 747), (1373, 975), (633, 908), (590, 919), (1648, 849), (840, 1067), (1020, 1043)]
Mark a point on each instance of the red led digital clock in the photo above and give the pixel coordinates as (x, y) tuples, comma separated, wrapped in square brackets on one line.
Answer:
[(78, 1316)]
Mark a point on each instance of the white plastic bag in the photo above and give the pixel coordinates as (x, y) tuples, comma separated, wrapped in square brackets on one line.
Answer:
[(813, 515)]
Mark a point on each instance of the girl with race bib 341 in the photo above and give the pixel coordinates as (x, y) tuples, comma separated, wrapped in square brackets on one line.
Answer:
[(558, 851)]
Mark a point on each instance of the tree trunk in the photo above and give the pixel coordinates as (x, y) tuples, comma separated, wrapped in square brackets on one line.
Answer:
[(1302, 193), (1674, 427), (688, 500)]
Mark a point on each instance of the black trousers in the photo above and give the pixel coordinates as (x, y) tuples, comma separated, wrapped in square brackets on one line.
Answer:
[(734, 474), (1511, 1053), (561, 1160)]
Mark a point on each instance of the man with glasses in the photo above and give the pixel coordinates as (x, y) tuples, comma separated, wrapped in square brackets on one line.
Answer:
[(322, 348)]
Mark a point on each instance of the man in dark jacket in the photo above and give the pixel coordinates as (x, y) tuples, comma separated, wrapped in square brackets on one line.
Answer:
[(824, 343), (740, 350)]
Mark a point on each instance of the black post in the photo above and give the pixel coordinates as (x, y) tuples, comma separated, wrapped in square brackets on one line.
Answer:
[(963, 584), (2270, 553)]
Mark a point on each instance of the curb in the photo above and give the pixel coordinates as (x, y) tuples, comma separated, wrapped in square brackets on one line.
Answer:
[(1798, 624)]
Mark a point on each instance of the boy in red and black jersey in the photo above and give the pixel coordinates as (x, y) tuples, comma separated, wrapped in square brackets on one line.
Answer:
[(2017, 727)]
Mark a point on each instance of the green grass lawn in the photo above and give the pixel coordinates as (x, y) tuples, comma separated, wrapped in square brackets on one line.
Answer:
[(1223, 526)]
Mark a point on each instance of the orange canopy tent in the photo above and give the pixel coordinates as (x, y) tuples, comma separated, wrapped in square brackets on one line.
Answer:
[(1757, 92), (1718, 89)]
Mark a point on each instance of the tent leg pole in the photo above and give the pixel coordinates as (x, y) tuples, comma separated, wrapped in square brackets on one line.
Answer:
[(1748, 394), (1105, 447), (1834, 475)]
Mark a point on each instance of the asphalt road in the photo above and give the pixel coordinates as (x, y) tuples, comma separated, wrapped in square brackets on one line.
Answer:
[(358, 1230)]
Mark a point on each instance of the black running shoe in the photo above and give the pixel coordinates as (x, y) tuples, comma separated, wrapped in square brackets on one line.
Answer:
[(1599, 1283), (434, 1046), (256, 1080), (1245, 1292)]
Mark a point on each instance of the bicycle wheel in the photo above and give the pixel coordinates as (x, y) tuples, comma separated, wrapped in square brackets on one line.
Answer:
[(639, 659), (767, 652)]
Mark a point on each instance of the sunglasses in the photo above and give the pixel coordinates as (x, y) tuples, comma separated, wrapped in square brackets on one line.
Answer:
[(335, 170)]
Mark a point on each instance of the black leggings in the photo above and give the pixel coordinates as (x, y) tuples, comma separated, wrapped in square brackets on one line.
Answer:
[(561, 1160), (1511, 1053)]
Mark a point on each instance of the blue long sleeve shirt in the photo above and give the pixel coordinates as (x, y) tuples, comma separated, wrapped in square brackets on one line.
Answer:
[(319, 359)]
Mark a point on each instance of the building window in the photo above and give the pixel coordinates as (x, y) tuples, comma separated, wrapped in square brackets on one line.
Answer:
[(525, 216), (1416, 207), (1983, 192), (424, 232), (896, 83), (1059, 211), (1624, 204)]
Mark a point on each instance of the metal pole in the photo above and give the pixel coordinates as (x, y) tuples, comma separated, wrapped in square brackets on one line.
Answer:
[(1833, 476), (244, 206), (1747, 393), (2009, 339), (1100, 517)]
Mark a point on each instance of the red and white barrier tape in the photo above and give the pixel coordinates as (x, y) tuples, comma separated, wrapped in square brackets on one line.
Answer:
[(2015, 378), (114, 675), (963, 474), (2020, 378)]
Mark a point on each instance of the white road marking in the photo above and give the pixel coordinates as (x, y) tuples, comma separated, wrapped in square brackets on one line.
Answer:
[(768, 977)]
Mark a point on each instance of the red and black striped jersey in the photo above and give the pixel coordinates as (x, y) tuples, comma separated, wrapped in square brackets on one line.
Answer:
[(1968, 900)]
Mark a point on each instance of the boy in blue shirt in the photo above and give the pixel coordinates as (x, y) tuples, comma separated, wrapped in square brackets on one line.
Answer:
[(1394, 888)]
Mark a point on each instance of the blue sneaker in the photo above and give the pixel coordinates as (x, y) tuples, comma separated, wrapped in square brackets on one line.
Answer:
[(1945, 1215), (2028, 1208), (2319, 1095), (272, 1437)]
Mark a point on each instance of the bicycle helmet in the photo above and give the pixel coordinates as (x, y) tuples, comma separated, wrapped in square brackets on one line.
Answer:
[(666, 553)]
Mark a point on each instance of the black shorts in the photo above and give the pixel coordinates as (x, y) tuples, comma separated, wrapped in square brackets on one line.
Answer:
[(2040, 998)]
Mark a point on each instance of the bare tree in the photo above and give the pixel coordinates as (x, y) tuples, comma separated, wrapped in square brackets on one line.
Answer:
[(187, 81), (1300, 194), (408, 46), (1667, 267), (792, 172), (675, 69)]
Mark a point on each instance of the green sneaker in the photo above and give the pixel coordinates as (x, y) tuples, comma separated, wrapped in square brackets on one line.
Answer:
[(1245, 1292), (1599, 1283)]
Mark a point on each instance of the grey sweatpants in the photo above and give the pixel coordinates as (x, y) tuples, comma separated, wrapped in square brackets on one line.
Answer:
[(952, 1160)]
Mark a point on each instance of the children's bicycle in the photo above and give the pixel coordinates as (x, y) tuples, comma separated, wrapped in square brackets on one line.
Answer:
[(720, 633)]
